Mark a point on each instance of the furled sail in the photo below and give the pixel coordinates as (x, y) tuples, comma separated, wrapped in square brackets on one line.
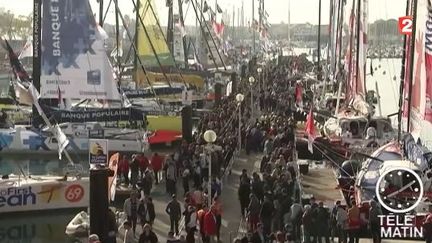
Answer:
[(73, 56)]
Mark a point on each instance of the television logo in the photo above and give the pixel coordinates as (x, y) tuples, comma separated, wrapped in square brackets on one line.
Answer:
[(405, 25), (94, 77)]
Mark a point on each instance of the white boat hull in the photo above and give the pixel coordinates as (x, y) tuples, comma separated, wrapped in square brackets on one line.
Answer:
[(45, 193)]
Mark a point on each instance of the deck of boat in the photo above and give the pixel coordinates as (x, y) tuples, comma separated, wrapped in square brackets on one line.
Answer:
[(320, 182)]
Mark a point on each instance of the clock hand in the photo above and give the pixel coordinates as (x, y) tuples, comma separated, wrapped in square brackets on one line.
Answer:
[(401, 190)]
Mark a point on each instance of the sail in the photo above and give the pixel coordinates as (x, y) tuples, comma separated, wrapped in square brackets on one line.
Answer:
[(155, 37), (179, 33), (362, 38), (418, 96), (428, 63), (73, 54)]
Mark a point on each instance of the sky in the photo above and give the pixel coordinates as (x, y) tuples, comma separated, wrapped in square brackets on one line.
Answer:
[(302, 11)]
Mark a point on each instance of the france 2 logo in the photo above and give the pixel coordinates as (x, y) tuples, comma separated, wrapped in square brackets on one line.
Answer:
[(405, 25)]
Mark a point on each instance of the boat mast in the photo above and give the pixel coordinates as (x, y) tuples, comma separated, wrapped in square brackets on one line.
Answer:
[(319, 41), (185, 49), (253, 21), (37, 18), (101, 15), (358, 45), (289, 23), (402, 78), (137, 15), (411, 74), (117, 29), (170, 28)]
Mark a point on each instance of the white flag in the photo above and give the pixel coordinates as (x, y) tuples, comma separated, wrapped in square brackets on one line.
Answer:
[(61, 140), (27, 50), (22, 94), (35, 96)]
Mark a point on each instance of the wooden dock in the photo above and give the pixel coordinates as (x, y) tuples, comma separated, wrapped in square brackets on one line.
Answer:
[(320, 182)]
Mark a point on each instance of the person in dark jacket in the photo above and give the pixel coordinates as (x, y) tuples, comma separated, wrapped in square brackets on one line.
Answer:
[(173, 209), (148, 236), (243, 193), (257, 187), (322, 217), (266, 214), (150, 210), (134, 168)]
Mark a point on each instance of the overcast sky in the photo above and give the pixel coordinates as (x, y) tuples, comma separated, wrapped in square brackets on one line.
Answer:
[(301, 10)]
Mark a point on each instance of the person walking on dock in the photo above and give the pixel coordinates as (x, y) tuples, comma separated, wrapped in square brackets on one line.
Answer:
[(244, 193), (173, 209), (130, 207), (171, 177), (156, 162), (148, 236), (134, 168), (321, 224), (354, 222), (374, 221)]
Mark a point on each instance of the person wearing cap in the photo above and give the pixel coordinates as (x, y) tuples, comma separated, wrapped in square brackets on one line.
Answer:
[(94, 238), (173, 209)]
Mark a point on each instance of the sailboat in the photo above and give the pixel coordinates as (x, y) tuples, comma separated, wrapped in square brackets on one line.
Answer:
[(407, 152), (354, 125)]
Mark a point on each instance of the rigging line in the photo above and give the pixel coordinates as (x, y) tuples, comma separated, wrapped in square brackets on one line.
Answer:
[(139, 58), (214, 42), (106, 13), (150, 42), (166, 41), (203, 34)]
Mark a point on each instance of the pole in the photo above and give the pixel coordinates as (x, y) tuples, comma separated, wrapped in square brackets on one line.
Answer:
[(239, 126), (379, 98), (402, 77), (413, 35), (319, 41), (253, 21), (252, 101), (101, 18), (209, 192), (289, 23), (358, 46), (117, 29)]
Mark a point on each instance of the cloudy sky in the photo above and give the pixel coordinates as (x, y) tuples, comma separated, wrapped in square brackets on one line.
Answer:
[(301, 10)]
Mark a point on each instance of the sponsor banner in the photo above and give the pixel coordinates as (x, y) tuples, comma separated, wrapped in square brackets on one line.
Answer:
[(115, 114), (74, 60), (98, 151), (194, 81), (44, 196)]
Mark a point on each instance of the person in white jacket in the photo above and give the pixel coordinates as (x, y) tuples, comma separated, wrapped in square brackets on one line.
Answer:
[(128, 235), (191, 224), (342, 223)]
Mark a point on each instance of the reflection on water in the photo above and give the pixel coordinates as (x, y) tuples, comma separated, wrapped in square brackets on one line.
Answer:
[(37, 165), (48, 228)]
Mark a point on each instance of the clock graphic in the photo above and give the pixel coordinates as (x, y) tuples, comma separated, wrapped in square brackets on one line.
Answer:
[(399, 190)]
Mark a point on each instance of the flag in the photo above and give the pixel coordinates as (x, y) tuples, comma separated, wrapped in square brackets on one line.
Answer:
[(27, 50), (16, 65), (218, 29), (22, 94), (34, 94), (61, 103), (299, 94), (218, 8), (61, 140), (205, 8), (112, 180), (310, 130)]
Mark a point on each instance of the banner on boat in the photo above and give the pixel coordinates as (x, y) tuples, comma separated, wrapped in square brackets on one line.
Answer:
[(106, 115), (73, 60), (98, 151), (190, 79), (51, 194)]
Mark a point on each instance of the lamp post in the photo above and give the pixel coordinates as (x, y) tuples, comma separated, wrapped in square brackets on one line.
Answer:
[(251, 82), (210, 137), (239, 98), (259, 70)]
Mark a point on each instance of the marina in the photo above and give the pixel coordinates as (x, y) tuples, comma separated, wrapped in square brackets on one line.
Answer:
[(209, 121)]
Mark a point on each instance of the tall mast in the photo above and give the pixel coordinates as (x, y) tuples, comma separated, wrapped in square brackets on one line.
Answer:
[(358, 45), (413, 35), (289, 22), (170, 28), (37, 11), (185, 49), (117, 29), (101, 13), (402, 78), (253, 21), (319, 41), (137, 16)]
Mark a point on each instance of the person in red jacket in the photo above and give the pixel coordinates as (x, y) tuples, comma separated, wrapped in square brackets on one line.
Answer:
[(123, 169), (210, 227), (157, 164), (143, 164)]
